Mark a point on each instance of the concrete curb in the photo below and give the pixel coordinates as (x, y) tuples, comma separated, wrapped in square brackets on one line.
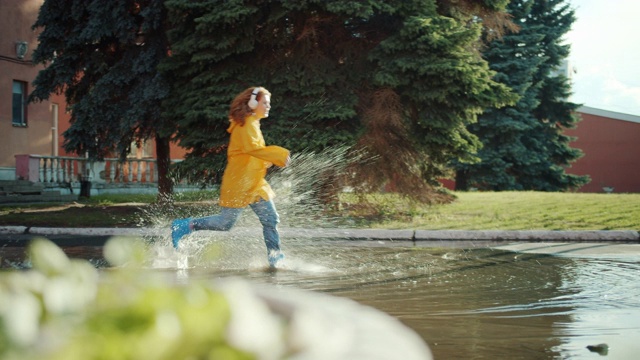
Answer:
[(530, 235), (94, 231), (627, 236)]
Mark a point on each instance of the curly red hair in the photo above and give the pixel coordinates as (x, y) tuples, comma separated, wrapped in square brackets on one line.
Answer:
[(239, 109)]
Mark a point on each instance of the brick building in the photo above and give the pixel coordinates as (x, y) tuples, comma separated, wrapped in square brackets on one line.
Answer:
[(34, 128), (611, 145), (24, 129)]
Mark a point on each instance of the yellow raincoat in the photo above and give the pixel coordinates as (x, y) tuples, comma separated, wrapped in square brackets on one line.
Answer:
[(248, 158)]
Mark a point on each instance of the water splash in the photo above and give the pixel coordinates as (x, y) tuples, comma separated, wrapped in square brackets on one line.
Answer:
[(303, 186), (299, 191)]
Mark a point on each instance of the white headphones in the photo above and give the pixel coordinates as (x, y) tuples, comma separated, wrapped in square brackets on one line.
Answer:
[(253, 103)]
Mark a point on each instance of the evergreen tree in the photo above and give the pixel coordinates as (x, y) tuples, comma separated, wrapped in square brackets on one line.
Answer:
[(554, 112), (523, 145), (103, 55), (328, 63)]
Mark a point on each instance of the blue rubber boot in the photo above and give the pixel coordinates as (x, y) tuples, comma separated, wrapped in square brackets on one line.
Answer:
[(276, 259), (179, 228)]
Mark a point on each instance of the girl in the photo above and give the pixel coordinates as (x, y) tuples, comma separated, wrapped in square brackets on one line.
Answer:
[(243, 182)]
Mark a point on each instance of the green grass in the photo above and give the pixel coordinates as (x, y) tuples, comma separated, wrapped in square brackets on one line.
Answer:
[(109, 210), (509, 211), (110, 199), (470, 211)]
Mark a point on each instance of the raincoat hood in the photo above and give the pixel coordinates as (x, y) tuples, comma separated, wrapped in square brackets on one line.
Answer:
[(233, 124)]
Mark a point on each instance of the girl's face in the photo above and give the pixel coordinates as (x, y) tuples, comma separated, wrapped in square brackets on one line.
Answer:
[(262, 110)]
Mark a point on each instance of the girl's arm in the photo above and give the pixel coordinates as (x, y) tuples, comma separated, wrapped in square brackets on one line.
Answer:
[(252, 143), (272, 153)]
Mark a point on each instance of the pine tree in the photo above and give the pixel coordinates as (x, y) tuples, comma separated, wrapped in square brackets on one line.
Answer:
[(523, 145), (103, 55), (327, 63), (554, 112)]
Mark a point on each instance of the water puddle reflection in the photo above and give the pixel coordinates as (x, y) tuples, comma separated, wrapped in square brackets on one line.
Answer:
[(466, 303)]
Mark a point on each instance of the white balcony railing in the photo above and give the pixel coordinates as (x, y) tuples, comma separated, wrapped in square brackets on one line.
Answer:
[(65, 169)]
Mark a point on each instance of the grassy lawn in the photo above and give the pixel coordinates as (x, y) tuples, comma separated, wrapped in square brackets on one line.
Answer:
[(470, 211), (111, 210), (510, 211)]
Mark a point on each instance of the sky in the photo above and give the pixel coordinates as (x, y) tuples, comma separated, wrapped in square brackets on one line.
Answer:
[(605, 55)]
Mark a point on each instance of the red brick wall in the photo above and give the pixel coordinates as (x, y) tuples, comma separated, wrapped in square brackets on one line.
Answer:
[(16, 18), (611, 153)]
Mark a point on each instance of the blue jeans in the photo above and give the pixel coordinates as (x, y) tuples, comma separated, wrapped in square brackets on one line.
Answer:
[(224, 221)]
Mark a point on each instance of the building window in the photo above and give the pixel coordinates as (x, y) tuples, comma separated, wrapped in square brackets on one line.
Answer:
[(19, 103)]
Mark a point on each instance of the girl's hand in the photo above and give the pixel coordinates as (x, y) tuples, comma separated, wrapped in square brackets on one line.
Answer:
[(286, 163)]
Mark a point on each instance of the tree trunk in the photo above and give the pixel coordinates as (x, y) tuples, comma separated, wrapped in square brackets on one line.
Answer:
[(462, 180), (163, 155)]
